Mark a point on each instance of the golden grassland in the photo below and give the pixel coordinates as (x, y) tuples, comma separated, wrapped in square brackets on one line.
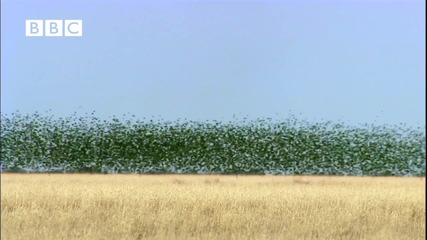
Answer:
[(85, 206)]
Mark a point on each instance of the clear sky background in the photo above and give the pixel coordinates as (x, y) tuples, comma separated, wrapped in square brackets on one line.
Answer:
[(355, 61)]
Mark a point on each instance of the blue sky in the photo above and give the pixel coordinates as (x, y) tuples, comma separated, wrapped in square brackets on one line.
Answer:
[(352, 61)]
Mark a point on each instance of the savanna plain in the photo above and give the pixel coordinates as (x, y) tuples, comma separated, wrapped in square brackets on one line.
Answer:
[(96, 206)]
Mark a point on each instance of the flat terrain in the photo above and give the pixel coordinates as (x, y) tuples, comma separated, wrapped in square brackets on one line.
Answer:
[(84, 206)]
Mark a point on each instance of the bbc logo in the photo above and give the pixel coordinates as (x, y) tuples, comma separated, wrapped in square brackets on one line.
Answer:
[(53, 28)]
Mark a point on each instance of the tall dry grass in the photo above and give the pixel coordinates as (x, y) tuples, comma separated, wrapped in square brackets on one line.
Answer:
[(41, 206)]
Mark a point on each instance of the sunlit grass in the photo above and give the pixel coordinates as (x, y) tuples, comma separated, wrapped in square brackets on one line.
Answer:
[(76, 206)]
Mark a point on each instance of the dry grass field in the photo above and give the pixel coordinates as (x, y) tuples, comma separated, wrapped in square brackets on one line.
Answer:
[(78, 206)]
